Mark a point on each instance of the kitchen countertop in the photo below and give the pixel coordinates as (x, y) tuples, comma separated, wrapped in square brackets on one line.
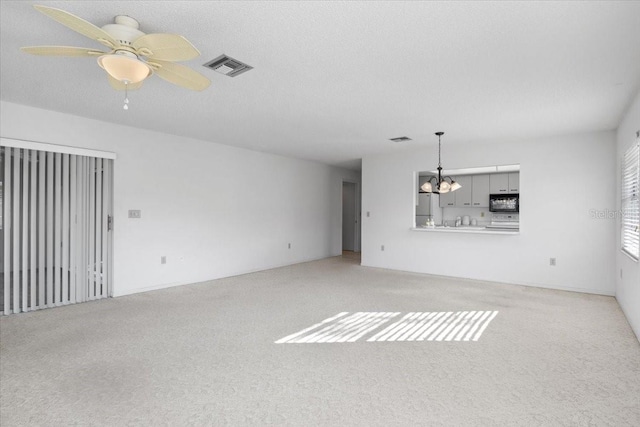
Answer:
[(467, 229)]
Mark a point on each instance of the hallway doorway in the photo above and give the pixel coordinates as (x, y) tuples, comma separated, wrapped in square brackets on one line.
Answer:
[(350, 217)]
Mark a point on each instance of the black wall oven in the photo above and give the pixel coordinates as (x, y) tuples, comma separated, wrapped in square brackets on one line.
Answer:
[(504, 203)]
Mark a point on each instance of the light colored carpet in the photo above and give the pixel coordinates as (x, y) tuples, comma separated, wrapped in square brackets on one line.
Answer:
[(205, 354)]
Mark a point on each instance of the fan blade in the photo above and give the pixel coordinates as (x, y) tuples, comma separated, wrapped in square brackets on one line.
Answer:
[(179, 75), (79, 25), (118, 85), (61, 51), (165, 47)]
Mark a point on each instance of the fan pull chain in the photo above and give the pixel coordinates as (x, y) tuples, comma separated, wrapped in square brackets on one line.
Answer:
[(126, 95)]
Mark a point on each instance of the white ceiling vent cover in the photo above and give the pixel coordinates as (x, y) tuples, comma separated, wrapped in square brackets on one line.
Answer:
[(228, 66)]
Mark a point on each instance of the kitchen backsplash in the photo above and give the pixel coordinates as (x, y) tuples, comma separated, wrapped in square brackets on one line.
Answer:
[(450, 214)]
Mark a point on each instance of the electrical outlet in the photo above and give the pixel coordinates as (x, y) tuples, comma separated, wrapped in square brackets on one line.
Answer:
[(368, 214), (382, 248), (552, 262), (163, 260), (135, 213), (482, 214)]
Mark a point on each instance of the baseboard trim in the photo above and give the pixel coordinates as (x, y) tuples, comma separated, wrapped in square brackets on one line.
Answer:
[(569, 289), (528, 284), (126, 292), (626, 315)]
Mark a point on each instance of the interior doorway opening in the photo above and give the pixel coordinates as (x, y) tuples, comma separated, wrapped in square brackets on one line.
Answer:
[(350, 217)]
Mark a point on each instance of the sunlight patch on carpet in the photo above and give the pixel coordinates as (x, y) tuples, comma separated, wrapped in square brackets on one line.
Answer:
[(413, 326)]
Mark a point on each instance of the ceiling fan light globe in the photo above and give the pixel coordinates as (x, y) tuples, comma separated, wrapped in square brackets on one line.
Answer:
[(124, 68)]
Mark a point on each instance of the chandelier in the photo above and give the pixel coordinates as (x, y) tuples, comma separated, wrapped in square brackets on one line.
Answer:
[(442, 184)]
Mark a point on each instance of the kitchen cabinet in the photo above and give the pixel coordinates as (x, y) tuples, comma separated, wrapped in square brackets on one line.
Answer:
[(514, 182), (448, 200), (463, 194), (480, 196), (476, 189), (499, 183), (504, 183)]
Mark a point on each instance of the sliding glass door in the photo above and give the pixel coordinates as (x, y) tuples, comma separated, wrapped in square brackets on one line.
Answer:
[(56, 228)]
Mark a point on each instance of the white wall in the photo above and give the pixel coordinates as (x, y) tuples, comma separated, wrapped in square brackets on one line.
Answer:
[(211, 209), (562, 179), (628, 286)]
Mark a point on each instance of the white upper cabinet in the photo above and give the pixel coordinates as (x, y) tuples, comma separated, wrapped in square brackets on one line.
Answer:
[(514, 182), (480, 197), (499, 183), (448, 200), (463, 195), (503, 183)]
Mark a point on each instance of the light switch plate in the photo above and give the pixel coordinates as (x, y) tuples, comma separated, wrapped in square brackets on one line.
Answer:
[(135, 213)]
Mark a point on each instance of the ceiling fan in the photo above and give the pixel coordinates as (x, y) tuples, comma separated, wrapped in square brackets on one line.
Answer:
[(133, 55)]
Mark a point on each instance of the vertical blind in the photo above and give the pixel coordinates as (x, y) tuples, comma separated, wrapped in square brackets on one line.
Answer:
[(56, 239), (630, 202)]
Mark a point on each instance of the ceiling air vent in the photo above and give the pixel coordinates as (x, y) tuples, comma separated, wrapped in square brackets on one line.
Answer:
[(400, 139), (228, 66)]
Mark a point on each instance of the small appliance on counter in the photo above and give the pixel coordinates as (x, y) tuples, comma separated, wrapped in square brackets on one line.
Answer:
[(505, 222)]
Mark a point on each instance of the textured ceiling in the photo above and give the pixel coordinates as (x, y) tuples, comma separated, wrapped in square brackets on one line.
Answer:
[(334, 80)]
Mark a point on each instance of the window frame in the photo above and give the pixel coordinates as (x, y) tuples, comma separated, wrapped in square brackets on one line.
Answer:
[(629, 201)]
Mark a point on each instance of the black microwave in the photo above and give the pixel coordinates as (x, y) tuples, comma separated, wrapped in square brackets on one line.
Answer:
[(504, 203)]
